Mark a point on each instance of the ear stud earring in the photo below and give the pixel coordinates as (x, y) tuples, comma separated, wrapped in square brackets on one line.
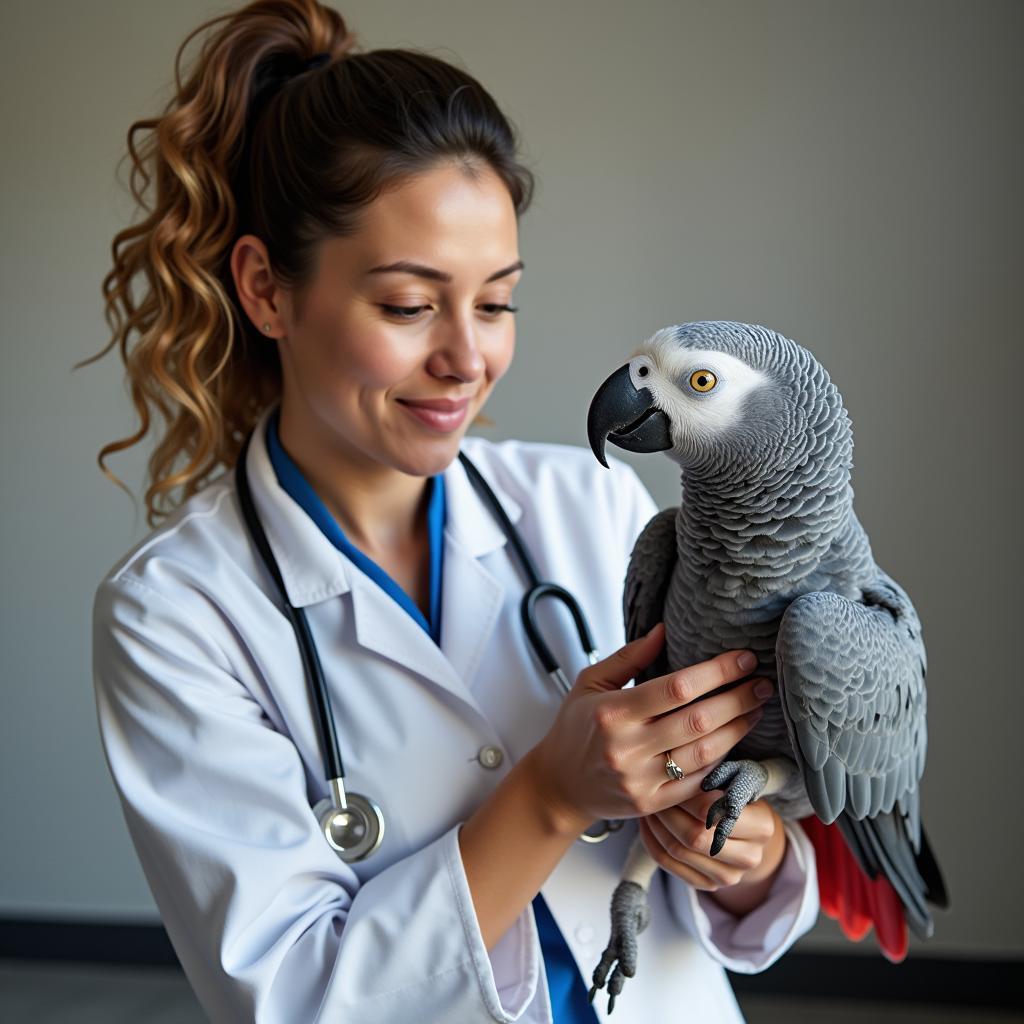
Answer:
[(266, 327)]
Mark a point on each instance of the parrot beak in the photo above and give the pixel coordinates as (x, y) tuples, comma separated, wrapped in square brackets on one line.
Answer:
[(626, 417)]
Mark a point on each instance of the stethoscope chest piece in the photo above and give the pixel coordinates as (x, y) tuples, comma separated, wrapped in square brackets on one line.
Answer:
[(353, 832)]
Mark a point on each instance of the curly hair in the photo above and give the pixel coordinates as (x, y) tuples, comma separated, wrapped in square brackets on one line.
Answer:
[(260, 139)]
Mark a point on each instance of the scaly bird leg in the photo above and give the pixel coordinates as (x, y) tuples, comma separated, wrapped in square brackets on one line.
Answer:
[(630, 916)]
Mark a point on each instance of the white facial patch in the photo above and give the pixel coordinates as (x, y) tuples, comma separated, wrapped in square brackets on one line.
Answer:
[(664, 367)]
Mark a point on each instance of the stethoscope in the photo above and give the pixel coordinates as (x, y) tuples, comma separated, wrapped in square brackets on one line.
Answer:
[(352, 824)]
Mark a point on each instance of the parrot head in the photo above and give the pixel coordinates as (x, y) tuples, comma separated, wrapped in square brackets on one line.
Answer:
[(719, 397)]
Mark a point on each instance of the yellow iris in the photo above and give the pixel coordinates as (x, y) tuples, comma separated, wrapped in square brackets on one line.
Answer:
[(702, 380)]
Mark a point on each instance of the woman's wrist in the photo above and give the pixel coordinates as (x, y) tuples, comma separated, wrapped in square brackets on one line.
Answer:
[(558, 816), (509, 845)]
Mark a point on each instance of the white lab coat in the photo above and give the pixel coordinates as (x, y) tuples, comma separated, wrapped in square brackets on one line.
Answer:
[(207, 728)]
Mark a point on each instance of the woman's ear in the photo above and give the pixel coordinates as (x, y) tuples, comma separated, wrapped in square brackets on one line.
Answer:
[(255, 286)]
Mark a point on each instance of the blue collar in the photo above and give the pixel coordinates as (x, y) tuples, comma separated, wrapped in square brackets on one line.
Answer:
[(292, 481)]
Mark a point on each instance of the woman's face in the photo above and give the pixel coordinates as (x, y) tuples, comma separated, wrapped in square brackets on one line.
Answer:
[(387, 365)]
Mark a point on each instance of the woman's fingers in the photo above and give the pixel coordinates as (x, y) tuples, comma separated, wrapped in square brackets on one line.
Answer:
[(702, 753), (651, 835), (698, 721), (613, 672), (699, 870), (603, 753), (685, 841), (686, 821), (696, 760), (673, 690)]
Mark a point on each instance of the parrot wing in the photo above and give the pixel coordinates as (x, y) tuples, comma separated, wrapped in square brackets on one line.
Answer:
[(854, 674), (647, 578), (852, 686)]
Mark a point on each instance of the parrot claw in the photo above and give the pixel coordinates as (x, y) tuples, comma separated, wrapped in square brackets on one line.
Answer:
[(722, 832), (743, 782), (717, 810), (630, 916)]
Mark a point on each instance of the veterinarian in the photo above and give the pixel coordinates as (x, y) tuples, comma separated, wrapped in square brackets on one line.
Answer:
[(354, 778)]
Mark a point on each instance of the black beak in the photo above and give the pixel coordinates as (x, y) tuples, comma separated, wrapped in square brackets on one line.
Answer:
[(626, 417)]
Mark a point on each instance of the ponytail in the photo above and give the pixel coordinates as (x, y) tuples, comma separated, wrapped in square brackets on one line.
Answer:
[(282, 131)]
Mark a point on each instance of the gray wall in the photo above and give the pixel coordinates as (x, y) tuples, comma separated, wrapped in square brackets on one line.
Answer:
[(846, 173)]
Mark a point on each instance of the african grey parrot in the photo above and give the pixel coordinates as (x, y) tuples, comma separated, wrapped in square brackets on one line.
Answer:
[(765, 552)]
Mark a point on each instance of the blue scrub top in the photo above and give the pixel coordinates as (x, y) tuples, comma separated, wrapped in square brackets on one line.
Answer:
[(568, 994)]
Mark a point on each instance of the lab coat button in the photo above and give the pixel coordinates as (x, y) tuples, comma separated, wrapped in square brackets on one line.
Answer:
[(584, 934), (490, 757)]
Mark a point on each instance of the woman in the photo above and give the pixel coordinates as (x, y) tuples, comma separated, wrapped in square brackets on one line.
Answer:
[(331, 259)]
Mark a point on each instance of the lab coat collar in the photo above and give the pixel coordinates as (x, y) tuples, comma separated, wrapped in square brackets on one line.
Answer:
[(312, 567), (470, 519)]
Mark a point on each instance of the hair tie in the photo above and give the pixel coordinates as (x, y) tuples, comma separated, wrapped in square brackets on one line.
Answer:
[(317, 60), (273, 73)]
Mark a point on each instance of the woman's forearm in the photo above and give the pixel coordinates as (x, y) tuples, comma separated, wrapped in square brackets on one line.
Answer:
[(510, 845)]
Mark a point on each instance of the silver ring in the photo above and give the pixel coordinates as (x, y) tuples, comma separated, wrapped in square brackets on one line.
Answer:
[(672, 770)]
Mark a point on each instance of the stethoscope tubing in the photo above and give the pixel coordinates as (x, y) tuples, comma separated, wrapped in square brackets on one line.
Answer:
[(330, 748)]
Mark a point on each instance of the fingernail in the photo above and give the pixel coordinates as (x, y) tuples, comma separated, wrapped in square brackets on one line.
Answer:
[(653, 628), (747, 661), (764, 688)]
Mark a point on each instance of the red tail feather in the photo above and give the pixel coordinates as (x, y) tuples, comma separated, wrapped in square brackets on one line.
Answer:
[(848, 896)]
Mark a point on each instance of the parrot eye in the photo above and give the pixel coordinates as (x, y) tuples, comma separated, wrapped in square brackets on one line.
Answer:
[(702, 380)]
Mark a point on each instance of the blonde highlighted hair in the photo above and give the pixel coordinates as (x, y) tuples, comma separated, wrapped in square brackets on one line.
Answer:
[(261, 139)]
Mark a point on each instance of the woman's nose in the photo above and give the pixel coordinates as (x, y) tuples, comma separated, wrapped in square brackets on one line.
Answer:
[(458, 353)]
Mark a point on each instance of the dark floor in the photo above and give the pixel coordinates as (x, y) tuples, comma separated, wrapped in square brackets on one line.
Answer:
[(37, 993)]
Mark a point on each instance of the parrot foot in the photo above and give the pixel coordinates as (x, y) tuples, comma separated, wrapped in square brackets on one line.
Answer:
[(743, 782), (630, 916)]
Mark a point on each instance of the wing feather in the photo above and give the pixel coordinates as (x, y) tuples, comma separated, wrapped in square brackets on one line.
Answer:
[(651, 564)]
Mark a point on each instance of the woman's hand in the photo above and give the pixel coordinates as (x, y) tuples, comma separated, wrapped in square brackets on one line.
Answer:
[(742, 872), (604, 755)]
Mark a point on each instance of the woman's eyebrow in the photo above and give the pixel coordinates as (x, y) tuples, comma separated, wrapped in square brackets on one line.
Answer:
[(405, 267)]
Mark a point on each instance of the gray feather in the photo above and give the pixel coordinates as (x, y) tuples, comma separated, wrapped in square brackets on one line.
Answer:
[(647, 579)]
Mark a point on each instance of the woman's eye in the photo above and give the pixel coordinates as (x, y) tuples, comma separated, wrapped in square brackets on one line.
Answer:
[(404, 312), (411, 312)]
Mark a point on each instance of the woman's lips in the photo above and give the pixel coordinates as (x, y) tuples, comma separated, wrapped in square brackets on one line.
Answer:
[(441, 414)]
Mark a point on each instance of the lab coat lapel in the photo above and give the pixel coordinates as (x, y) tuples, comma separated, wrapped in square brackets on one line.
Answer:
[(470, 604), (473, 597), (390, 632)]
